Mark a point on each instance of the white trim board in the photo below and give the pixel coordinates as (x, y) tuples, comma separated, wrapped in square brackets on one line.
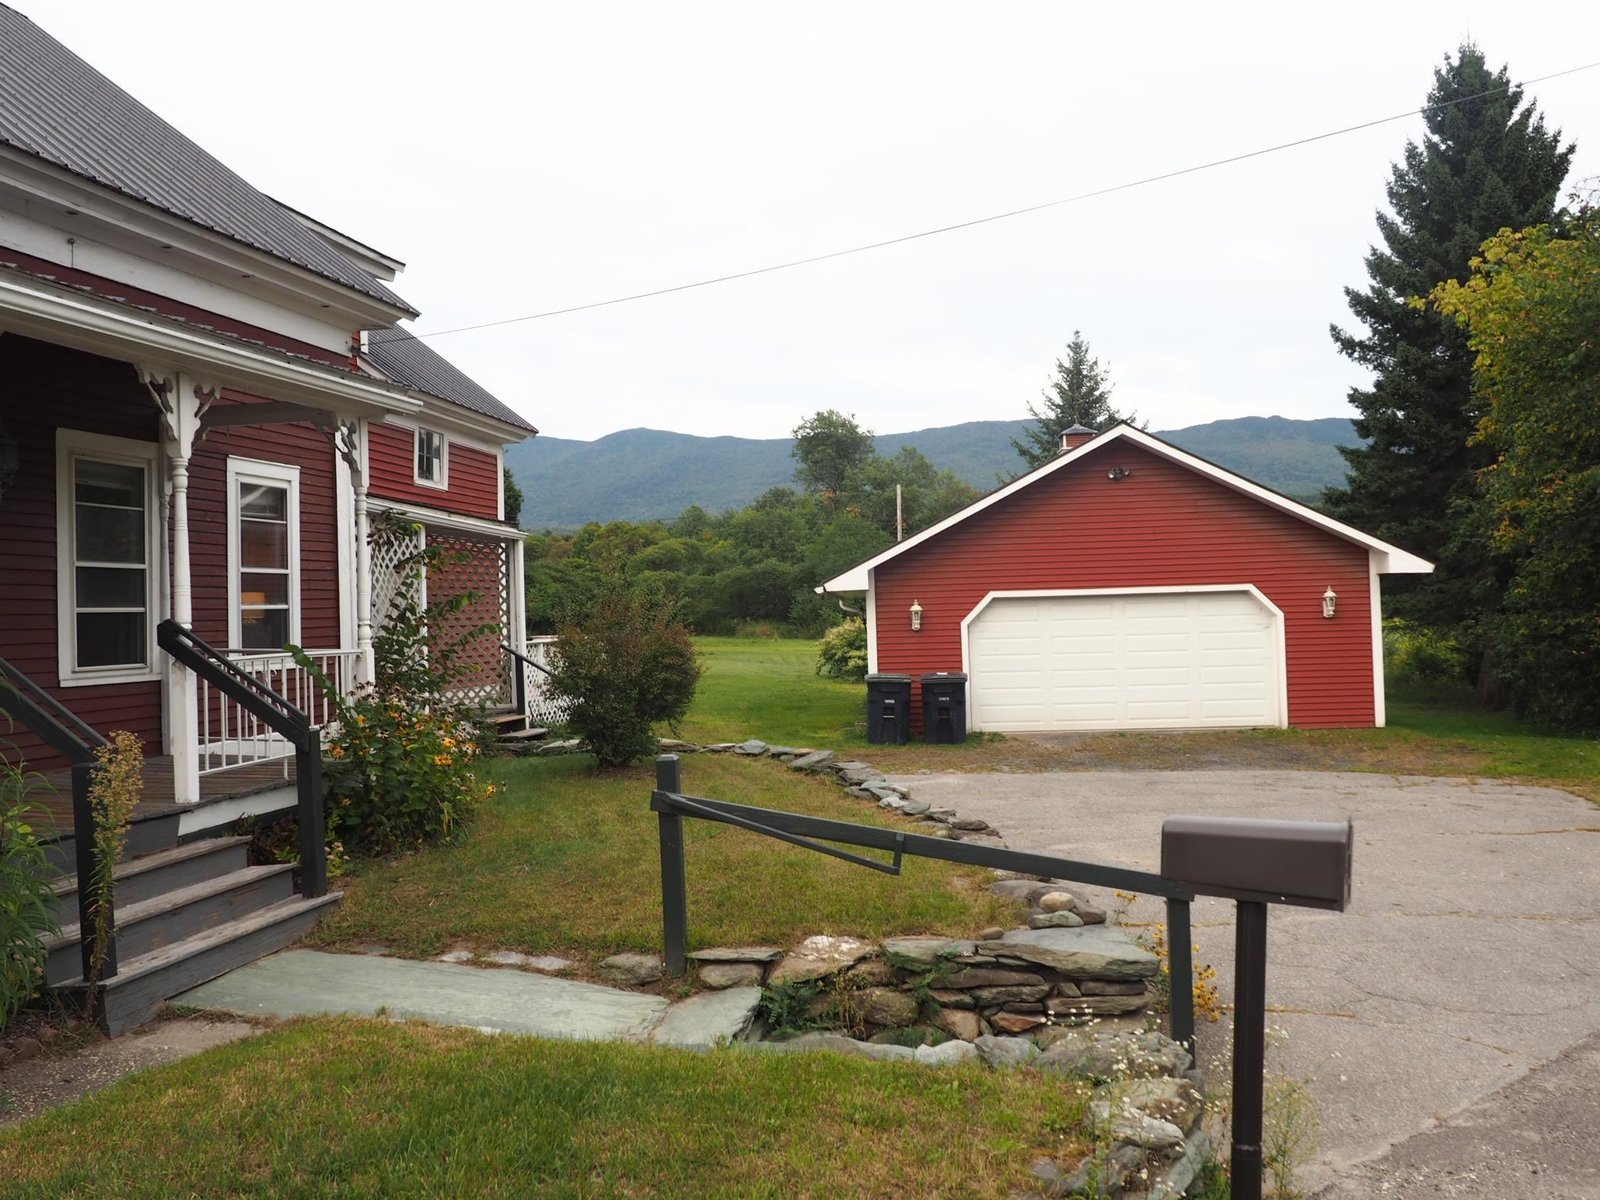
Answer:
[(1388, 559), (274, 474)]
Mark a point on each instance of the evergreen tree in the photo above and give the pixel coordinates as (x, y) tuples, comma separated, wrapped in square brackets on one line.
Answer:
[(1485, 163), (1080, 394)]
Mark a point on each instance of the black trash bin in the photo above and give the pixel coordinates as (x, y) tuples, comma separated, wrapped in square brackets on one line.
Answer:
[(888, 709), (944, 707)]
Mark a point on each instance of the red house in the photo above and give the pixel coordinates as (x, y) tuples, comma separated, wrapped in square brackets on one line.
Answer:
[(206, 400), (1127, 584)]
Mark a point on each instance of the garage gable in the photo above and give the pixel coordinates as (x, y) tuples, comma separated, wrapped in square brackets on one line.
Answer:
[(1126, 588)]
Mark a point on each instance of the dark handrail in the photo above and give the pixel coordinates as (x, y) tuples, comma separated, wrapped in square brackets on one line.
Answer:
[(517, 654), (210, 664), (217, 669), (671, 806), (48, 719), (75, 741)]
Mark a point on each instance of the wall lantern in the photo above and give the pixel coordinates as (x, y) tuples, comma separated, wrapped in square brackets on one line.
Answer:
[(10, 460), (1330, 601), (916, 616)]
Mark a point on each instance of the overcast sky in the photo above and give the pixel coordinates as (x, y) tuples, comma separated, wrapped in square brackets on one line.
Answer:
[(528, 157)]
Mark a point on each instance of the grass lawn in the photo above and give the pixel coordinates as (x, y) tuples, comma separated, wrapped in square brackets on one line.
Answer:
[(367, 1109), (767, 688), (564, 860)]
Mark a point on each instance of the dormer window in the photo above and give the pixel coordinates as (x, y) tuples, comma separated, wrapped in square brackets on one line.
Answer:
[(432, 461)]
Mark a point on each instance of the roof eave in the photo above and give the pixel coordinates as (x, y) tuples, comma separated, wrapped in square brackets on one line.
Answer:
[(1388, 559), (37, 309)]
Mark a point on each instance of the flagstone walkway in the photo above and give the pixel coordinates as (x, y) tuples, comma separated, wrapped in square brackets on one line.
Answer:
[(297, 983)]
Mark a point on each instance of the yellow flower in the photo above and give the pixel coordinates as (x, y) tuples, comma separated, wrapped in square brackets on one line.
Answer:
[(442, 760)]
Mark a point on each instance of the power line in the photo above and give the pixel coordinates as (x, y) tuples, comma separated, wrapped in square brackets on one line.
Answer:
[(1015, 212)]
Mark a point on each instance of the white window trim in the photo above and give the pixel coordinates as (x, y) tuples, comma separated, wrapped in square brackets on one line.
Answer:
[(73, 444), (443, 482), (248, 470)]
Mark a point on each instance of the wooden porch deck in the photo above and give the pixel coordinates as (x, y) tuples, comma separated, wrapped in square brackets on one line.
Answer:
[(51, 793)]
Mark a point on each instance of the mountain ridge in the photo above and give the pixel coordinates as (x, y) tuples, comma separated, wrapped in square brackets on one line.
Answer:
[(649, 474)]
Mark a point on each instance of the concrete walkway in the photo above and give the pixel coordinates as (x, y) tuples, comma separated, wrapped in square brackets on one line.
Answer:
[(299, 983), (1468, 959)]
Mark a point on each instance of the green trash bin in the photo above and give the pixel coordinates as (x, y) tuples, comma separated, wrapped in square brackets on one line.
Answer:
[(888, 709), (944, 706)]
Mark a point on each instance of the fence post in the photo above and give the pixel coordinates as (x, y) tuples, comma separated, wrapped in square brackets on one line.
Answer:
[(674, 901), (313, 818), (1180, 973)]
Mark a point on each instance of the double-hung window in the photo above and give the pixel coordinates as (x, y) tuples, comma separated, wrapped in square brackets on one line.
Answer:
[(106, 538), (263, 555), (433, 459)]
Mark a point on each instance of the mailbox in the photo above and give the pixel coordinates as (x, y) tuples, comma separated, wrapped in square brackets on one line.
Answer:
[(1277, 862)]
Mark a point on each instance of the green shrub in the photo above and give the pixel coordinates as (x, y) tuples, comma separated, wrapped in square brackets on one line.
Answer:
[(1418, 654), (24, 896), (625, 664), (842, 653), (399, 762)]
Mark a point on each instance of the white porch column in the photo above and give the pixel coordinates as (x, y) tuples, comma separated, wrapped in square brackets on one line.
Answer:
[(517, 616), (352, 445), (183, 402)]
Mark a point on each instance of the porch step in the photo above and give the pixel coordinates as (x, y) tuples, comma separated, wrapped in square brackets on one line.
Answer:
[(146, 835), (146, 982), (168, 918), (152, 875), (504, 720), (523, 735)]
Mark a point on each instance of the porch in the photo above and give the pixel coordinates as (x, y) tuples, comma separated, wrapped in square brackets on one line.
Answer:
[(270, 784)]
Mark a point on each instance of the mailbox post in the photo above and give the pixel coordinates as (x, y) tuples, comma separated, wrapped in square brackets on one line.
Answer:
[(1256, 863)]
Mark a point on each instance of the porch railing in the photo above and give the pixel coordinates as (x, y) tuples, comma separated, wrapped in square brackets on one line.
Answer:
[(231, 734), (280, 715), (531, 675), (69, 737)]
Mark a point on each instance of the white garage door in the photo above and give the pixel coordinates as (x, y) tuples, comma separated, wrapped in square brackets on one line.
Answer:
[(1131, 661)]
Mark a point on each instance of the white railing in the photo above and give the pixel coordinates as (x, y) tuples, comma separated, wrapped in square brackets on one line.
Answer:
[(230, 736), (543, 707)]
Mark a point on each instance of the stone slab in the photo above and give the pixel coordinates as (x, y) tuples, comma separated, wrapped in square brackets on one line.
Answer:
[(709, 1019), (1088, 952), (299, 983)]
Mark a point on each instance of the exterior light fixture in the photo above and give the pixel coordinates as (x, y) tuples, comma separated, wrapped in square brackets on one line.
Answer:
[(1118, 474), (1330, 601), (916, 616)]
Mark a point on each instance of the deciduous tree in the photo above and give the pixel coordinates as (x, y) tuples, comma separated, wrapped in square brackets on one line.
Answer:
[(829, 445), (1531, 311)]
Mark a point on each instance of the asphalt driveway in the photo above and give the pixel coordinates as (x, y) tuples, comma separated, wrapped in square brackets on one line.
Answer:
[(1467, 961)]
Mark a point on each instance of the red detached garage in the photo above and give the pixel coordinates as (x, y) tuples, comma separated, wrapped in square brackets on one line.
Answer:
[(1127, 584)]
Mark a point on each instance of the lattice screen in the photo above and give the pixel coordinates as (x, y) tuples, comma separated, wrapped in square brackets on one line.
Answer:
[(391, 545), (477, 567)]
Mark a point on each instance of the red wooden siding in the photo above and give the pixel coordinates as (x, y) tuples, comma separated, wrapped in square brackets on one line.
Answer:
[(43, 387), (1162, 526), (301, 445), (474, 475)]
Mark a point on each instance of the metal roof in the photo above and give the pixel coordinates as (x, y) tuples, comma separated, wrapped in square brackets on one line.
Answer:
[(408, 361), (58, 108)]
